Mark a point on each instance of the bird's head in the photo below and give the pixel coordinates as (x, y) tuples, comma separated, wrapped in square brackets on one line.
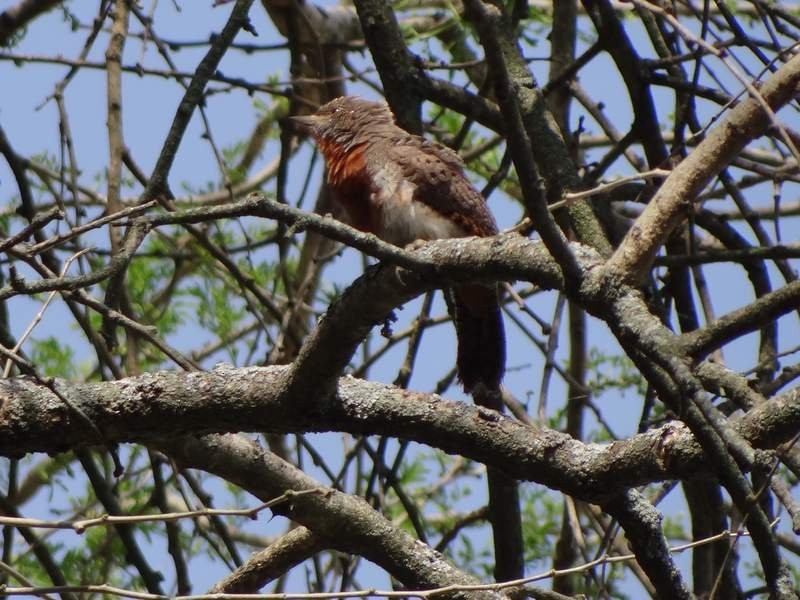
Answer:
[(346, 120)]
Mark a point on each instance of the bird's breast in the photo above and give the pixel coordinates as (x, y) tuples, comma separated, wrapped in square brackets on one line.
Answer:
[(350, 184), (404, 218), (377, 198)]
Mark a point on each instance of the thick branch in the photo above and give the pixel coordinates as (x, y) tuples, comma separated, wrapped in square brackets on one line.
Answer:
[(642, 525), (157, 407), (272, 562), (394, 62)]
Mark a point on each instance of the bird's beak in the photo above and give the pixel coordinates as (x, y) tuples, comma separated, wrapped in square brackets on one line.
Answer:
[(305, 124)]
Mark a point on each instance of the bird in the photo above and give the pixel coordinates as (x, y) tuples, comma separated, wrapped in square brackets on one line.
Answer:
[(404, 188)]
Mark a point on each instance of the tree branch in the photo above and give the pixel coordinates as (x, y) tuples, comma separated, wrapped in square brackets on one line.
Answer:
[(669, 206), (342, 521), (155, 407), (16, 17)]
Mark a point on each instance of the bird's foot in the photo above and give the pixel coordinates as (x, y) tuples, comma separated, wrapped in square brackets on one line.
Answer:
[(416, 245)]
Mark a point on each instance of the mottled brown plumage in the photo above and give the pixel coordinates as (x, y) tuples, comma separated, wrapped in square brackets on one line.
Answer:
[(404, 188)]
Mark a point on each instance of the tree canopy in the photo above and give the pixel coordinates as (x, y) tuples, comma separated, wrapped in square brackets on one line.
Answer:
[(212, 386)]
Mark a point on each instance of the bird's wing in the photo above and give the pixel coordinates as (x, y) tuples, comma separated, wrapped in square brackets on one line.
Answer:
[(437, 179)]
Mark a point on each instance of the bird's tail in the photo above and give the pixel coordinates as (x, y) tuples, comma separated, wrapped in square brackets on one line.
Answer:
[(481, 357), (481, 362)]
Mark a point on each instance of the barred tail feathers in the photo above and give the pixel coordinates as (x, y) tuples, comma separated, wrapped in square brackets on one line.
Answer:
[(481, 356)]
